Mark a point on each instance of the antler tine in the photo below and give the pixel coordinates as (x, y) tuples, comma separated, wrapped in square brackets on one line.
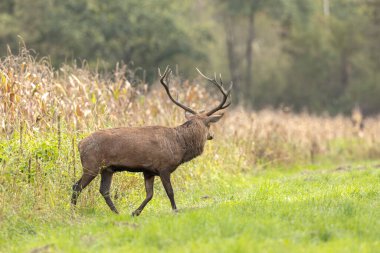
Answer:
[(159, 72), (229, 96), (226, 93), (164, 76), (165, 82), (215, 82)]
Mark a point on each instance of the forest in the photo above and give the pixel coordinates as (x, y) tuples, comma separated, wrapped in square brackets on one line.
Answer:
[(317, 56)]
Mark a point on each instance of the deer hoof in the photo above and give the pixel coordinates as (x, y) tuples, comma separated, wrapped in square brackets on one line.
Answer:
[(136, 213)]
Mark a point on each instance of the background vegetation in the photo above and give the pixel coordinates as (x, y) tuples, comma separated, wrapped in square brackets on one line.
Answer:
[(316, 55)]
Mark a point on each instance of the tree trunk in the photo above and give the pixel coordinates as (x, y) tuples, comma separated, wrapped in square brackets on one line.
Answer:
[(233, 63), (344, 72), (249, 54)]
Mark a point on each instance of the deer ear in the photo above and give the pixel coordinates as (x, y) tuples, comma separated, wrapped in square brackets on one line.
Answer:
[(214, 118)]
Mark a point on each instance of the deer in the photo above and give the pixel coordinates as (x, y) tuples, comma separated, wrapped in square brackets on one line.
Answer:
[(151, 150)]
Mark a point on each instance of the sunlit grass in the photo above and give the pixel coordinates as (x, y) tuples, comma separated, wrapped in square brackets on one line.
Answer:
[(273, 211)]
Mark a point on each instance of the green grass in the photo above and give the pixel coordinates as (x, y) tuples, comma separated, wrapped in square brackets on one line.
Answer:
[(299, 210)]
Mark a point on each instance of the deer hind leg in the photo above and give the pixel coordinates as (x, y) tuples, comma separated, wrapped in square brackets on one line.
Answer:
[(149, 181), (80, 185), (105, 186)]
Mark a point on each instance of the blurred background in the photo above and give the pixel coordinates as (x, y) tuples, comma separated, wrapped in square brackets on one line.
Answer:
[(304, 55)]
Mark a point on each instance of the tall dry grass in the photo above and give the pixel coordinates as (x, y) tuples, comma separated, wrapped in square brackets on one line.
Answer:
[(35, 98)]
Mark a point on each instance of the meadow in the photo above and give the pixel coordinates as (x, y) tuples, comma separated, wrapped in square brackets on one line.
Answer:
[(270, 181)]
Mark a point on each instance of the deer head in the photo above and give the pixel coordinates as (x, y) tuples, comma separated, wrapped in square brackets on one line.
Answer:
[(206, 117)]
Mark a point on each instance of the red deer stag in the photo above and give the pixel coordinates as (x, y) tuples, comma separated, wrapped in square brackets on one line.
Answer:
[(152, 150)]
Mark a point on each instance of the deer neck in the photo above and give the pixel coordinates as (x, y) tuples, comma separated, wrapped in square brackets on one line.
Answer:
[(192, 137)]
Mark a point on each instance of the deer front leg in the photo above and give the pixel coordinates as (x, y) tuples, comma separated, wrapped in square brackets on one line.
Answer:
[(105, 186), (149, 181), (165, 179)]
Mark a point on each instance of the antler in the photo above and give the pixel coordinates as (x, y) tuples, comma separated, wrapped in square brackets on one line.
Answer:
[(226, 93), (165, 82)]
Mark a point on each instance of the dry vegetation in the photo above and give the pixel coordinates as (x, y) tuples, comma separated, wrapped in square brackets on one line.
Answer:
[(35, 98)]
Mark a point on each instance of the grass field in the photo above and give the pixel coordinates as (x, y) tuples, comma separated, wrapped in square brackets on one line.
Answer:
[(309, 209)]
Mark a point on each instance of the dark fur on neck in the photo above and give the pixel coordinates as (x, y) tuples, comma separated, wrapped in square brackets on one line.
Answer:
[(192, 136)]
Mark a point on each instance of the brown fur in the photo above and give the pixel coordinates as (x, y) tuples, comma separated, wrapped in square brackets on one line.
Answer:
[(150, 149)]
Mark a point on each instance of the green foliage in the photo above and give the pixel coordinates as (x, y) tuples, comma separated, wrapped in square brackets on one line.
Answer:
[(324, 51), (278, 53), (147, 33), (303, 57)]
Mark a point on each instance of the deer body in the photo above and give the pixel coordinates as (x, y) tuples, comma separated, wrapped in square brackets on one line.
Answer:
[(152, 150), (143, 149)]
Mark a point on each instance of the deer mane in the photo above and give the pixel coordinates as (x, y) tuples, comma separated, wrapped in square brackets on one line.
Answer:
[(192, 136)]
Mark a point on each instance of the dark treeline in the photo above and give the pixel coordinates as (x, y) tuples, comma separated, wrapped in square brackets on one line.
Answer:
[(319, 55)]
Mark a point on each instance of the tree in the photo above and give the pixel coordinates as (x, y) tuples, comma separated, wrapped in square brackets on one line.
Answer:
[(146, 33), (238, 19)]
